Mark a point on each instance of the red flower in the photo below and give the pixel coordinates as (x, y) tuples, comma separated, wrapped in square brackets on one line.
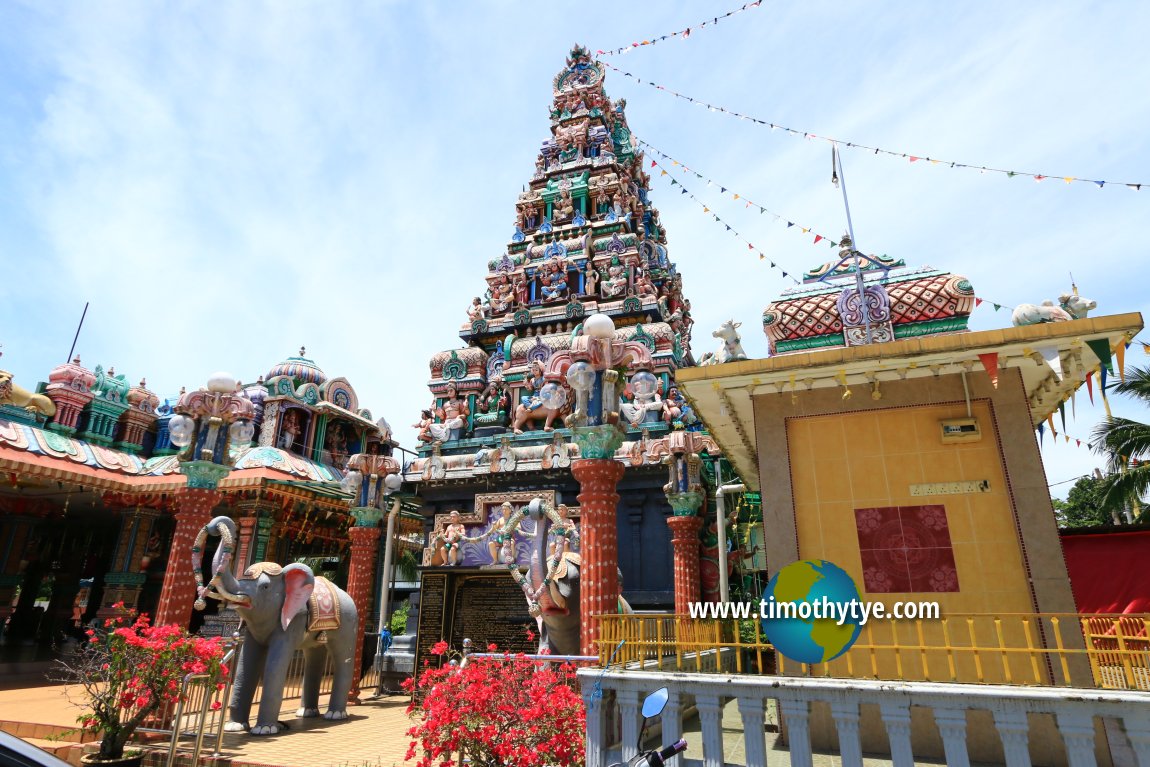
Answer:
[(439, 648)]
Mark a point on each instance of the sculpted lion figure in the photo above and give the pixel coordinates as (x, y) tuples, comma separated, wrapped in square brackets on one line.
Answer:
[(11, 394)]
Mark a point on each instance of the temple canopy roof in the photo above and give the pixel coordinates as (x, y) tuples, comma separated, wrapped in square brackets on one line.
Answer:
[(301, 369)]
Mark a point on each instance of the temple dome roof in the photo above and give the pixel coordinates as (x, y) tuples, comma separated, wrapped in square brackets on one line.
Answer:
[(300, 368)]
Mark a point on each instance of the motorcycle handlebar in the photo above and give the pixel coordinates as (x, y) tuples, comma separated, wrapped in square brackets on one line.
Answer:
[(671, 750)]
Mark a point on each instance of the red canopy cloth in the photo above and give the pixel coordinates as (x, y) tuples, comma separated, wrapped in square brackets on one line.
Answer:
[(1108, 571)]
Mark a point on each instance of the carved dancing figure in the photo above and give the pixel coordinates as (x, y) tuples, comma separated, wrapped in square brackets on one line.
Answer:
[(591, 283)]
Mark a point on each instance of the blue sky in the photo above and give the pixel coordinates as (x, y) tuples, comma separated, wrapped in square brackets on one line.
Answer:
[(227, 182)]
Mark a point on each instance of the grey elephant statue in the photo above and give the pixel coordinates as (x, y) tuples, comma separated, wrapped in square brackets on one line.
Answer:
[(553, 585), (283, 609)]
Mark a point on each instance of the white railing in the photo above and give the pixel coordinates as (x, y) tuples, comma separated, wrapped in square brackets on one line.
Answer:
[(1086, 721)]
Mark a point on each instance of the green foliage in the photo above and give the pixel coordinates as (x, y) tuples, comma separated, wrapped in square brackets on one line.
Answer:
[(1126, 444), (406, 566), (398, 622), (1083, 506)]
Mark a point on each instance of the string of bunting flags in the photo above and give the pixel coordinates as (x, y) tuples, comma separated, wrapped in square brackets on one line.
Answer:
[(748, 203), (733, 231), (982, 169), (683, 33)]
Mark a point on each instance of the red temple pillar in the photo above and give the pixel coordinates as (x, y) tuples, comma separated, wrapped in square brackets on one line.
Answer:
[(685, 541), (360, 578), (179, 591), (246, 534), (599, 579)]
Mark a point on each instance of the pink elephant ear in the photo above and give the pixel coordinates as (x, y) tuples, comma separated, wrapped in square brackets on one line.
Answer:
[(298, 585)]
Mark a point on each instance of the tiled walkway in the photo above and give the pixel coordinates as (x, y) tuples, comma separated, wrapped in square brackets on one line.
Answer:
[(373, 735)]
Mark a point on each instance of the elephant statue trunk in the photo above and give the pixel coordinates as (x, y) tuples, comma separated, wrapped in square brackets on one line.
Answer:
[(225, 528)]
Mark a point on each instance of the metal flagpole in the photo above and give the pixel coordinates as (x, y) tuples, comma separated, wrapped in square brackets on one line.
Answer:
[(77, 336), (838, 163)]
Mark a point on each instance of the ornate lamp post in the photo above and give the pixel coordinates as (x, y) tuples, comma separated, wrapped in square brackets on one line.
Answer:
[(206, 423), (685, 494), (594, 369), (372, 477)]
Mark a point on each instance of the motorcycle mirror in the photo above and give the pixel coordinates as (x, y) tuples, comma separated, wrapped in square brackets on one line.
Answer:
[(654, 703)]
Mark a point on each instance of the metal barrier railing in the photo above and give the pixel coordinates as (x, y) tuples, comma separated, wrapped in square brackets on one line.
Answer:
[(1108, 651)]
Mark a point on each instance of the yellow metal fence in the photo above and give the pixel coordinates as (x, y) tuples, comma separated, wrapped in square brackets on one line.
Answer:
[(1109, 651)]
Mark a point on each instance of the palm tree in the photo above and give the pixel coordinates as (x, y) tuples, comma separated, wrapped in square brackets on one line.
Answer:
[(1126, 443)]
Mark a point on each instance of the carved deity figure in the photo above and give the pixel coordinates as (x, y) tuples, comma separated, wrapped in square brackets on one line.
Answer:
[(501, 545), (591, 284), (451, 416), (531, 408), (477, 310), (290, 433), (426, 419), (565, 210), (501, 294), (451, 539), (555, 283), (635, 410), (491, 403), (520, 291), (562, 534), (616, 283), (676, 409)]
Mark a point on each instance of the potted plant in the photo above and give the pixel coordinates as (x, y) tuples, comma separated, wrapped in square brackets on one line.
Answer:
[(129, 671)]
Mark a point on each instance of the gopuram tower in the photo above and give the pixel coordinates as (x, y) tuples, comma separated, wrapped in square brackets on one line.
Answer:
[(587, 240)]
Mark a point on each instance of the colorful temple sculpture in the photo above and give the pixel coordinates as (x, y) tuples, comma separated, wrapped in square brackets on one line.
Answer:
[(587, 241), (105, 488), (888, 439)]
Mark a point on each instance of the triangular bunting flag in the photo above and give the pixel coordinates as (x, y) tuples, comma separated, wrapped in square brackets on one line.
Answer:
[(990, 364), (1101, 349), (1041, 433), (1102, 389), (818, 237), (977, 302), (1120, 354), (1050, 422), (1062, 414), (1066, 437), (1073, 405), (1053, 359), (1078, 443), (1090, 386), (997, 307)]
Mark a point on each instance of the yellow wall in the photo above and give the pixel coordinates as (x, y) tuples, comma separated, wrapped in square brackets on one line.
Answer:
[(849, 461)]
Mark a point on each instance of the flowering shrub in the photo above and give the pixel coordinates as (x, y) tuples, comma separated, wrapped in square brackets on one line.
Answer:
[(497, 711), (129, 669)]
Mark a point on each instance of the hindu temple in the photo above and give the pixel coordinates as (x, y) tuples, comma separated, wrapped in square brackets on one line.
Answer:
[(100, 507), (587, 241)]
